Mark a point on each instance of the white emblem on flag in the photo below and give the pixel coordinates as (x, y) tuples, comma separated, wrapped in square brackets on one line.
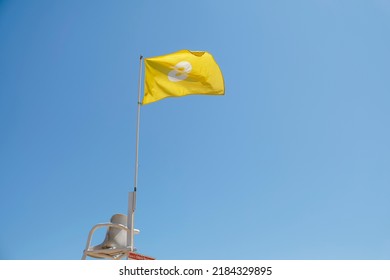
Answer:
[(180, 71)]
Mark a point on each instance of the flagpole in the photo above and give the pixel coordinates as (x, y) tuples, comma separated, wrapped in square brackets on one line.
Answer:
[(132, 195)]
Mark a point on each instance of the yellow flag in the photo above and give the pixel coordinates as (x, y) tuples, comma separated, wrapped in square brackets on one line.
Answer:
[(182, 73)]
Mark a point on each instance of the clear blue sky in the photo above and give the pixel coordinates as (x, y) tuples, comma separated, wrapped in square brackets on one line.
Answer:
[(292, 163)]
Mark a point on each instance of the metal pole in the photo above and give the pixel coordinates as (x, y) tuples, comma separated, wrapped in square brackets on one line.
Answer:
[(132, 195), (138, 121)]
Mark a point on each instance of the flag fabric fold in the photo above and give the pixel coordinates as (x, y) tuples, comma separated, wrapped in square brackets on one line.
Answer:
[(181, 73)]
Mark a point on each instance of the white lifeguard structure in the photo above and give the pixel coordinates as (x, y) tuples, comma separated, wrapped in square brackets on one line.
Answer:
[(114, 245)]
